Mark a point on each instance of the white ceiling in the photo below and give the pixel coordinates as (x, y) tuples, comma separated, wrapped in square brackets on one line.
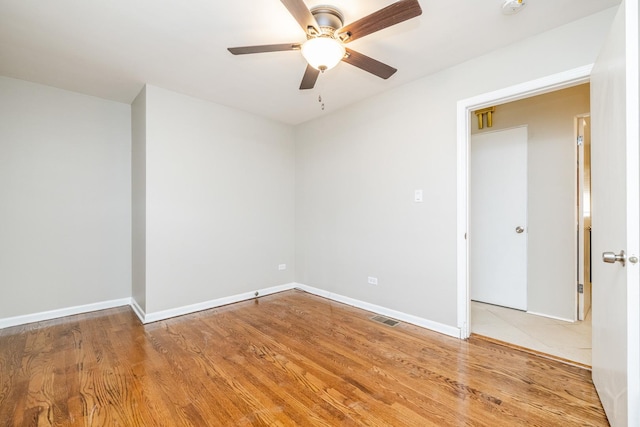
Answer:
[(111, 48)]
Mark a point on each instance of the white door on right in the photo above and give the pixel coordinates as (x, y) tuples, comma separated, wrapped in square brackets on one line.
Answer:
[(616, 221)]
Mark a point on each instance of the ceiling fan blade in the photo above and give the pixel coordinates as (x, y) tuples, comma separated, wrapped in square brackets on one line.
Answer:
[(370, 65), (264, 48), (301, 13), (385, 17), (309, 78)]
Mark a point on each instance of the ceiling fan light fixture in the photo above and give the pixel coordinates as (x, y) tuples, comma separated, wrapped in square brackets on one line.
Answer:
[(327, 36), (323, 53)]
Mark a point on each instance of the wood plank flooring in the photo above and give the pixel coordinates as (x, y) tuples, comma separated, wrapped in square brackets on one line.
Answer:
[(282, 360)]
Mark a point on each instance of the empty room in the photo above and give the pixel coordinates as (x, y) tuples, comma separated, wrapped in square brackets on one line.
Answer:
[(267, 213)]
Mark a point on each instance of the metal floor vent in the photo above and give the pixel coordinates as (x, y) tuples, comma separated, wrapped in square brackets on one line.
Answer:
[(385, 320)]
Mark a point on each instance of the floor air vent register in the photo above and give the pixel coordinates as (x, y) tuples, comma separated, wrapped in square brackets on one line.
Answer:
[(385, 320)]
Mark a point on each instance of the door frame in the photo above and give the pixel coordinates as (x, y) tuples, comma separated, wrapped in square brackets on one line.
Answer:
[(528, 89), (581, 310)]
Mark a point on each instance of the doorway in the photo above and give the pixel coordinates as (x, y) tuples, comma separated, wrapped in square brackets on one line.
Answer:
[(552, 278), (551, 194)]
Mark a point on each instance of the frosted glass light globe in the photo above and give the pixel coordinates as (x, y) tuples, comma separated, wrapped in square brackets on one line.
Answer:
[(323, 53)]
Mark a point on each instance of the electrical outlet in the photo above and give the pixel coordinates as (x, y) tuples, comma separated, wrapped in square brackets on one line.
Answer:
[(372, 280), (282, 267), (417, 196)]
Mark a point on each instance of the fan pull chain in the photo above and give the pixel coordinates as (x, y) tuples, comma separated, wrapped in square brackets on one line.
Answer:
[(320, 88)]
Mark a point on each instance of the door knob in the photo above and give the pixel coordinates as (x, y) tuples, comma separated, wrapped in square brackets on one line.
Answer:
[(612, 257), (519, 229)]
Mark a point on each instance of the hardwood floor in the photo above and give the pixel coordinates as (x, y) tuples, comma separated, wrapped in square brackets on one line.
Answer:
[(284, 359)]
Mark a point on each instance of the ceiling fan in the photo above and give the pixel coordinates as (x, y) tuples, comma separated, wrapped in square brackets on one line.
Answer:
[(327, 36)]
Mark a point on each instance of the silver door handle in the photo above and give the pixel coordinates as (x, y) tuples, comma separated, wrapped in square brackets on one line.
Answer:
[(611, 257), (519, 229)]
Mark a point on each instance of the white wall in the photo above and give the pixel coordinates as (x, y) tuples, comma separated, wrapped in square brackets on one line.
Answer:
[(551, 191), (356, 171), (219, 201), (65, 205)]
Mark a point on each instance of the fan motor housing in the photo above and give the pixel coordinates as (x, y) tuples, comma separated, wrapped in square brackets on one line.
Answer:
[(328, 18)]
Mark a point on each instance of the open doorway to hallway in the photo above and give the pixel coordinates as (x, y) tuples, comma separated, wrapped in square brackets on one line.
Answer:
[(549, 321)]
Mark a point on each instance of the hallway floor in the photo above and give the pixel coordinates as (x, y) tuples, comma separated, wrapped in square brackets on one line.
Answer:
[(571, 341)]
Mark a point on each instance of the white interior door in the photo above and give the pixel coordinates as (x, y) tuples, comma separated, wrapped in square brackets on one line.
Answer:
[(497, 218), (616, 220)]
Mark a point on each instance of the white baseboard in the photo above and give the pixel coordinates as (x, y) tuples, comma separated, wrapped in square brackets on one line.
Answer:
[(180, 311), (55, 314), (398, 315), (550, 316), (137, 309), (187, 309)]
